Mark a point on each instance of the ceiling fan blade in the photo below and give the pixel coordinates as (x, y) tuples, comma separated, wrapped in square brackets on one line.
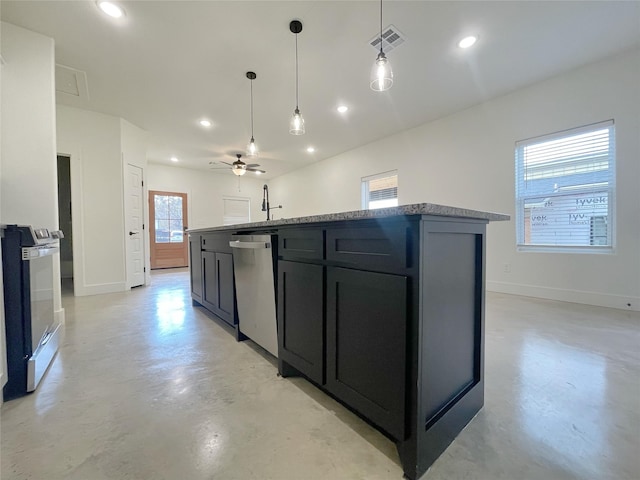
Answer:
[(227, 163), (252, 165), (256, 170)]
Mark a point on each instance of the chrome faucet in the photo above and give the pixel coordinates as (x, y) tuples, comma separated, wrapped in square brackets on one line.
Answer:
[(265, 202)]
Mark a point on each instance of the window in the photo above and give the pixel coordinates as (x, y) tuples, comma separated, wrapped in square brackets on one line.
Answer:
[(168, 217), (380, 191), (565, 190), (236, 210)]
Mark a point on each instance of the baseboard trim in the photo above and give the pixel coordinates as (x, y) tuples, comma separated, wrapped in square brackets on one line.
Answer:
[(99, 289), (59, 316), (564, 295)]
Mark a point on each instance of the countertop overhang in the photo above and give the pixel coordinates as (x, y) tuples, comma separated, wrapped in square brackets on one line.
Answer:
[(399, 211)]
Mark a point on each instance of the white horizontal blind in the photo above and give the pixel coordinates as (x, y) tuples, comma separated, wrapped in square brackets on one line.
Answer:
[(380, 191), (236, 210), (565, 189)]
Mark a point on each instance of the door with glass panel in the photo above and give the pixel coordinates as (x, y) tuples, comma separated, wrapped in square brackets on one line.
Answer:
[(169, 241)]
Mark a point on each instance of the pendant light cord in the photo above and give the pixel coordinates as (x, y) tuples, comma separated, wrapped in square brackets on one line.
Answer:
[(252, 109), (297, 71), (381, 27)]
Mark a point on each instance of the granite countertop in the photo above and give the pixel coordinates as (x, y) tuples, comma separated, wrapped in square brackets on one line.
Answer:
[(402, 210)]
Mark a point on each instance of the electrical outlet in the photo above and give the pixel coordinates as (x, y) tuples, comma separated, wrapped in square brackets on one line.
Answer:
[(507, 268)]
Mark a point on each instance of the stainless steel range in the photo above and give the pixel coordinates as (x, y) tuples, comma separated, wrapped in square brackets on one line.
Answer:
[(33, 336)]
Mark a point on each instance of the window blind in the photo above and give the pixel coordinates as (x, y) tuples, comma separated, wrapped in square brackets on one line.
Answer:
[(236, 210), (565, 188)]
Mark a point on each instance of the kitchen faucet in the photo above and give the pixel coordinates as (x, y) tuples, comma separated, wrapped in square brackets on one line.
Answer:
[(265, 202)]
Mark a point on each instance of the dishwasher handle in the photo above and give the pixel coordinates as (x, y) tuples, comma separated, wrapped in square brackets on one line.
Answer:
[(250, 245)]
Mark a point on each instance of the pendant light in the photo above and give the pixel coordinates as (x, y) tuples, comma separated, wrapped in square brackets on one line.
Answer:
[(252, 148), (381, 73), (296, 125)]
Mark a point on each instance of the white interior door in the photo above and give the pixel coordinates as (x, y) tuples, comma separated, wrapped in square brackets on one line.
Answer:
[(134, 214)]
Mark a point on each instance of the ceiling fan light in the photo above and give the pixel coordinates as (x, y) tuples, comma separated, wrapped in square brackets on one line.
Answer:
[(296, 125), (252, 149), (239, 171), (381, 74)]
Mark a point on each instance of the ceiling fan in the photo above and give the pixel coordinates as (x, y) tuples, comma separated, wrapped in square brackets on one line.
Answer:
[(240, 168)]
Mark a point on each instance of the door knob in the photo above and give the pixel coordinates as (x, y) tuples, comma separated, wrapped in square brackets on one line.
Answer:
[(133, 233)]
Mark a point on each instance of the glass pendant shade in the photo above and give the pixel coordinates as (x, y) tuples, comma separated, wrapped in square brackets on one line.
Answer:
[(252, 149), (296, 125), (239, 171), (381, 74)]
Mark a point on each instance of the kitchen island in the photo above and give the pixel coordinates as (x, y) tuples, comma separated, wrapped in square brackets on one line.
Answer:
[(381, 309)]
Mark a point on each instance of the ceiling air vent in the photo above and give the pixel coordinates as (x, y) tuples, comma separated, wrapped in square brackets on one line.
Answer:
[(70, 81), (391, 38)]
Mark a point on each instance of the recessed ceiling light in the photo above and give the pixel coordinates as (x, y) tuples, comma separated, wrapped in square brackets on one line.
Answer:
[(111, 9), (311, 149), (174, 159), (467, 42), (343, 108), (205, 123)]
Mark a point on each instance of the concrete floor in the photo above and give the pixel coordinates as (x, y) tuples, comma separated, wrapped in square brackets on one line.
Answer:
[(147, 387)]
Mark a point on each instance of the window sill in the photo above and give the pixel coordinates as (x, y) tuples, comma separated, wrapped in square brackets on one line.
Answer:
[(565, 249)]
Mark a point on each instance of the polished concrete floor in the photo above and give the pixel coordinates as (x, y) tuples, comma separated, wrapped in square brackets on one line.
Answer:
[(146, 387)]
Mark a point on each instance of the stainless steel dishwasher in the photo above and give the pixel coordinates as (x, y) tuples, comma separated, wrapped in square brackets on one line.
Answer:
[(255, 291)]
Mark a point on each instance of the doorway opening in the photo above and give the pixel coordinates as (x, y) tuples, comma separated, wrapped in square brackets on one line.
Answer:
[(65, 224), (167, 237)]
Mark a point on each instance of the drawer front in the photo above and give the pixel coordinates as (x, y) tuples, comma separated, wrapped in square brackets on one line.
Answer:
[(216, 242), (301, 244), (370, 247)]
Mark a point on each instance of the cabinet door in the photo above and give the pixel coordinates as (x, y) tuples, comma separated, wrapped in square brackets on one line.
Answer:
[(210, 281), (195, 267), (226, 287), (366, 344), (300, 319)]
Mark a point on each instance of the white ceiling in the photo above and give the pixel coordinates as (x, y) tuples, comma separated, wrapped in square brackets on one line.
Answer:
[(168, 64)]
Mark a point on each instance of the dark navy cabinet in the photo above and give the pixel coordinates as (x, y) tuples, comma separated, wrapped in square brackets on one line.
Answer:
[(212, 282), (385, 314), (366, 344), (195, 267), (300, 318)]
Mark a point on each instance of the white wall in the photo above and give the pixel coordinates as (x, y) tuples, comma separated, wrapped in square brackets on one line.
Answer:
[(3, 343), (28, 193), (93, 141), (205, 191), (467, 160), (29, 189)]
